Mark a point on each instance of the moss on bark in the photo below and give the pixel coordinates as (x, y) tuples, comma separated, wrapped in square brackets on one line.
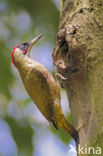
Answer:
[(78, 57)]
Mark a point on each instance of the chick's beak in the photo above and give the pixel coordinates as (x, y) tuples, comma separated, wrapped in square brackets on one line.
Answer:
[(33, 41)]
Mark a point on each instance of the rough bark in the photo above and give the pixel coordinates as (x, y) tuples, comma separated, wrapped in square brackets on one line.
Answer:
[(78, 57)]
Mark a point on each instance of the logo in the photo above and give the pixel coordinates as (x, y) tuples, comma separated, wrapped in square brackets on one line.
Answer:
[(85, 150)]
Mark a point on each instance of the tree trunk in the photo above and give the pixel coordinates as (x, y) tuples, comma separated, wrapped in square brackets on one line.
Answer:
[(78, 57)]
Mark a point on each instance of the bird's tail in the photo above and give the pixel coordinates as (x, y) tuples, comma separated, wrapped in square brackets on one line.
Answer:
[(63, 123)]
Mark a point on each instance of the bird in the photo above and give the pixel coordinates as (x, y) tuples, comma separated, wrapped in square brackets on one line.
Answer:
[(41, 86)]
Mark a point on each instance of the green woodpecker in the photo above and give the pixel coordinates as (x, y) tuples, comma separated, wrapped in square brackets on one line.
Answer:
[(41, 86)]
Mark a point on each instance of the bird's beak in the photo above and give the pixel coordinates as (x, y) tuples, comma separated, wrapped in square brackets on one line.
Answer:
[(33, 41)]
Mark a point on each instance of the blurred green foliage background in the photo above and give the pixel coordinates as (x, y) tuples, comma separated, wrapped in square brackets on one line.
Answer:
[(23, 130)]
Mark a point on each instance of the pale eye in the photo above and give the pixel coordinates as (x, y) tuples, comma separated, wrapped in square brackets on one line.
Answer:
[(21, 46)]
